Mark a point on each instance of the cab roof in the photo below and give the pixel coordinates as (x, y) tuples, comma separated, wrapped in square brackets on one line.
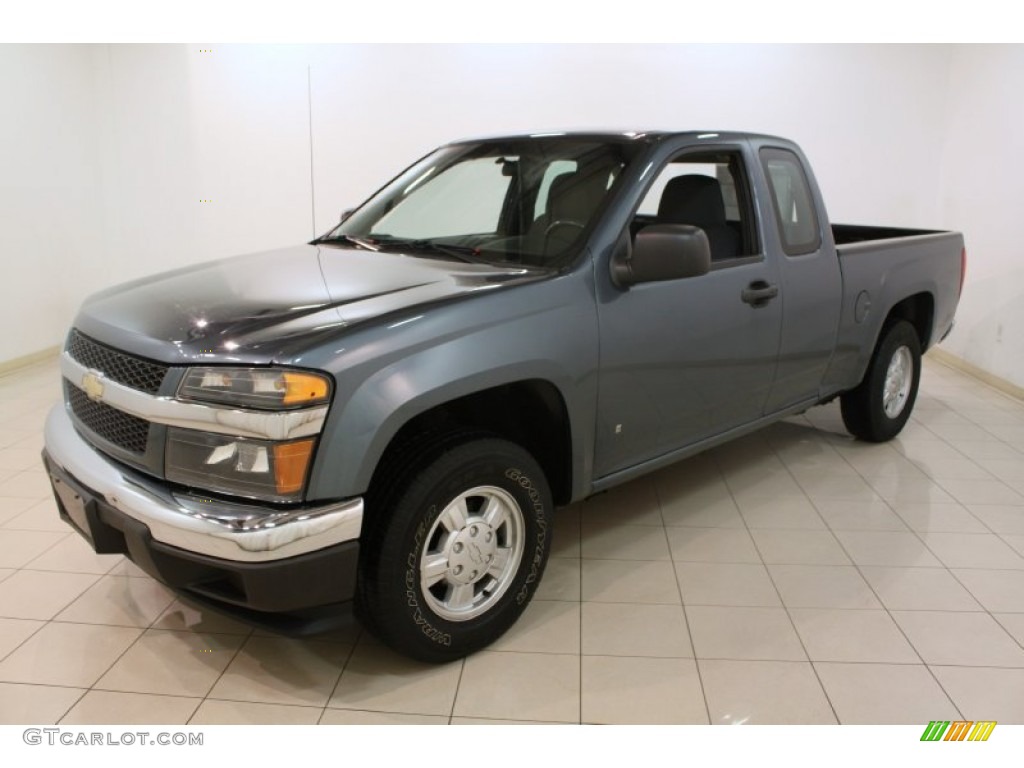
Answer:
[(623, 136)]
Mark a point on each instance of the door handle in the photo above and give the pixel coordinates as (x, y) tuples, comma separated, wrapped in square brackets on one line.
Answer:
[(759, 293)]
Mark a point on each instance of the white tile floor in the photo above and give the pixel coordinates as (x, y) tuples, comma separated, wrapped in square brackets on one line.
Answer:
[(794, 576)]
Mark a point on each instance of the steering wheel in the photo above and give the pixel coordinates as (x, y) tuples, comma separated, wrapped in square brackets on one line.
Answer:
[(559, 224), (562, 223)]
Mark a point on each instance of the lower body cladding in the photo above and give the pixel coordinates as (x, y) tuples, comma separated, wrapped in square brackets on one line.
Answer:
[(291, 570)]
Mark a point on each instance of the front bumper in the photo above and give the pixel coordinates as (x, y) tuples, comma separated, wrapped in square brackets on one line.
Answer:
[(244, 555)]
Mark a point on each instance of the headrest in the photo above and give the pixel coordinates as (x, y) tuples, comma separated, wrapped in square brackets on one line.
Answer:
[(575, 196), (692, 199)]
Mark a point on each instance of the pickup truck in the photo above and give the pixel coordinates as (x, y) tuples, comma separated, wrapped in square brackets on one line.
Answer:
[(386, 418)]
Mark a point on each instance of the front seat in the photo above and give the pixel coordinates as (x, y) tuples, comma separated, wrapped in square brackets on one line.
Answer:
[(697, 200), (572, 201)]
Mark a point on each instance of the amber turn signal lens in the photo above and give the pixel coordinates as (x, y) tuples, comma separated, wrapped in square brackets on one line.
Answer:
[(291, 460), (300, 388)]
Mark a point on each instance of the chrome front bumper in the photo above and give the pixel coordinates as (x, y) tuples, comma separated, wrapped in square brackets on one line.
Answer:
[(238, 532)]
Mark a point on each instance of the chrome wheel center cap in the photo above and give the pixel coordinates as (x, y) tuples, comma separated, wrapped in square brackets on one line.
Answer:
[(471, 553)]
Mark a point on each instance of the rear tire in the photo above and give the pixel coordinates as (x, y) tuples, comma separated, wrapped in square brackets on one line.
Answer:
[(455, 549), (880, 406)]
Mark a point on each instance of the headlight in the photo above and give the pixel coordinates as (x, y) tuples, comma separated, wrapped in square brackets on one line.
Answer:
[(262, 388), (259, 469)]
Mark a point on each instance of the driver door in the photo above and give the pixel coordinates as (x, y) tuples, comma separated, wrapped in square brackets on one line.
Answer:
[(685, 360)]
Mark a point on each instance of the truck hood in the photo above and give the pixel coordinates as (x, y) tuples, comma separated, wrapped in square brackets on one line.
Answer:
[(266, 307)]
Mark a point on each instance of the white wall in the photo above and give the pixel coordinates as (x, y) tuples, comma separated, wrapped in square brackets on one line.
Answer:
[(202, 154), (49, 209), (869, 117), (150, 131), (982, 194)]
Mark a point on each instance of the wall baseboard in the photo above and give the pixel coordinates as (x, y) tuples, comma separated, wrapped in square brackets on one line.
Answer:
[(996, 382), (9, 366)]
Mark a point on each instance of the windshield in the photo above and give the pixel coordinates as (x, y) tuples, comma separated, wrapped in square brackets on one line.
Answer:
[(528, 201)]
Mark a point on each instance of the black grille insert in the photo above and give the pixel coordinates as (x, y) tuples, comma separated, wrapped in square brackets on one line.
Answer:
[(125, 369), (122, 429)]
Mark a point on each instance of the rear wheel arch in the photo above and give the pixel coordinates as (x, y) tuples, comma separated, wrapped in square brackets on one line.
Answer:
[(919, 311)]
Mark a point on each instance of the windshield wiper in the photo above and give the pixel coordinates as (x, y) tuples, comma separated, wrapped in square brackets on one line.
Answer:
[(359, 242), (460, 252)]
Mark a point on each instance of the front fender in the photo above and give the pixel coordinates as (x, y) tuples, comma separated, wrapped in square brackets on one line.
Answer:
[(549, 334)]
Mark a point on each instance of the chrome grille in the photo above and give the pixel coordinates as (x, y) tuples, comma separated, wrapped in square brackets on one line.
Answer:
[(122, 429), (125, 369)]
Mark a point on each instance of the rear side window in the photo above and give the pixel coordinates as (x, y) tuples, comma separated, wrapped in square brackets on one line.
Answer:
[(791, 198)]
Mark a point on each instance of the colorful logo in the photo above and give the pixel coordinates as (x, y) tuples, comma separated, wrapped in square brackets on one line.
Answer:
[(958, 730)]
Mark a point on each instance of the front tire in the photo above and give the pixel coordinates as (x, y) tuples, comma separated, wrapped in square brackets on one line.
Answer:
[(456, 547), (880, 406)]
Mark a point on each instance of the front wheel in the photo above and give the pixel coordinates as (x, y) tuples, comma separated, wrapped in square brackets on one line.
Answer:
[(455, 549), (880, 406)]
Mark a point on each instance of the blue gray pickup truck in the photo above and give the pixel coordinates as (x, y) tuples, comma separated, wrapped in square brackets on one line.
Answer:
[(386, 418)]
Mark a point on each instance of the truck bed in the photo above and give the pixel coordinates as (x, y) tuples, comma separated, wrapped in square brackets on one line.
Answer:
[(875, 262), (845, 234)]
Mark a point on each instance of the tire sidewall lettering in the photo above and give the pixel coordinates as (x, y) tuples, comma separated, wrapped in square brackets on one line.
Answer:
[(540, 520), (399, 608), (412, 594), (420, 615)]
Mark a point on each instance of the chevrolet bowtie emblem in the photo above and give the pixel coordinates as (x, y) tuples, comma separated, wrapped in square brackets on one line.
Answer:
[(93, 386)]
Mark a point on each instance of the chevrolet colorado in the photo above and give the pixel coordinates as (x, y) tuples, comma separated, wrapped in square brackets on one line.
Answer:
[(388, 416)]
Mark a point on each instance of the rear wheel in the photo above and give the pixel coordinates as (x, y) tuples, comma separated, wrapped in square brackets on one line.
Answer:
[(455, 548), (880, 406)]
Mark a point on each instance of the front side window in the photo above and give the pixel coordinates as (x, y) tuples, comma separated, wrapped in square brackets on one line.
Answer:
[(707, 190), (792, 201), (528, 201)]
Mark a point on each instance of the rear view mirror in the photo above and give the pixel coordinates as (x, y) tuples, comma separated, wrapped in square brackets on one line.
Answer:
[(663, 252)]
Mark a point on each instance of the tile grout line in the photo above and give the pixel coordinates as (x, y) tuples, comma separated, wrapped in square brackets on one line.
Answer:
[(579, 678), (458, 684), (348, 660), (202, 698), (205, 696), (30, 636), (886, 607), (142, 632), (682, 601), (85, 689), (778, 593), (75, 703), (952, 446), (949, 569)]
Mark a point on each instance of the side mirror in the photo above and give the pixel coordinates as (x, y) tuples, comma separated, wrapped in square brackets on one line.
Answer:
[(346, 213), (663, 252)]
